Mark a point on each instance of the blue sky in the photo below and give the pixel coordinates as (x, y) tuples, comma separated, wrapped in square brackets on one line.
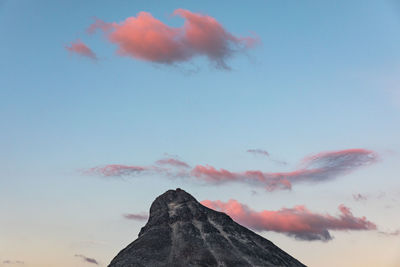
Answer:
[(324, 78)]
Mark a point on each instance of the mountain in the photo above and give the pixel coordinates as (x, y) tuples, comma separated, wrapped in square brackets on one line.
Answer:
[(181, 232)]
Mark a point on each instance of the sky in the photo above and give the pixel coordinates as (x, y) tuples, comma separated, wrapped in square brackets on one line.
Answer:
[(283, 114)]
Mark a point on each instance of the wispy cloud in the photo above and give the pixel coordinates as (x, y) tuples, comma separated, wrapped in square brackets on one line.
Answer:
[(265, 153), (317, 168), (116, 170), (87, 259), (297, 222), (381, 196), (391, 233), (81, 49), (147, 38), (136, 216), (173, 162), (258, 152), (320, 167), (360, 197)]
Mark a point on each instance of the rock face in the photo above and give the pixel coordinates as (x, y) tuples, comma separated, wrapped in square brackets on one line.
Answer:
[(181, 232)]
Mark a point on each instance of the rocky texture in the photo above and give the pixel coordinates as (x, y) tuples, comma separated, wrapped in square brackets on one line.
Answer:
[(182, 232)]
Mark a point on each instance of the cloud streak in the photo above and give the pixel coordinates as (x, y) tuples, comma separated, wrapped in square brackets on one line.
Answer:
[(359, 197), (116, 170), (391, 233), (146, 38), (297, 222), (81, 49), (87, 259), (258, 152), (136, 216), (265, 153), (317, 168)]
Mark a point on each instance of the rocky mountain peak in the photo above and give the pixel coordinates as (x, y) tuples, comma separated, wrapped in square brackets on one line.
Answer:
[(182, 232), (168, 201)]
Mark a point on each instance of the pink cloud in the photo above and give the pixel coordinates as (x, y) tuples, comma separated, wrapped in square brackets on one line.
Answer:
[(173, 162), (146, 38), (178, 169), (317, 168), (297, 222), (80, 48), (212, 175), (136, 216), (321, 167)]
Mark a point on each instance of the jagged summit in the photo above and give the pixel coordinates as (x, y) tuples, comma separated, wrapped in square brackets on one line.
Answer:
[(164, 201), (182, 232)]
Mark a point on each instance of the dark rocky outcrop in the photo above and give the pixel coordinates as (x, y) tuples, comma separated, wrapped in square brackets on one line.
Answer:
[(182, 232)]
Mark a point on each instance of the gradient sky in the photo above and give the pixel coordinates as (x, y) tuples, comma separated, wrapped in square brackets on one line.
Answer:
[(322, 77)]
